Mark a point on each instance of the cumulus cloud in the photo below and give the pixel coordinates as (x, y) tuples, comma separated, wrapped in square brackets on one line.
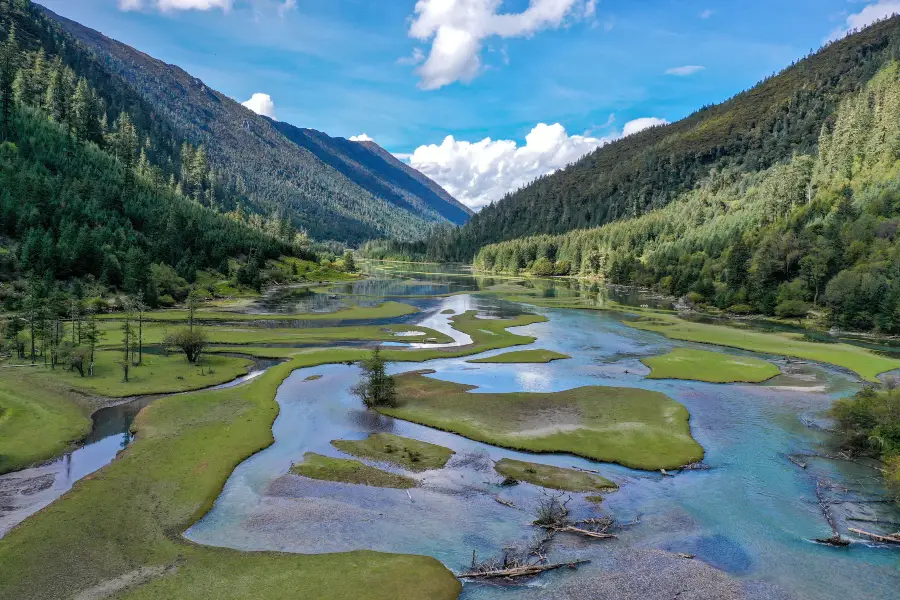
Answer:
[(457, 30), (169, 5), (705, 14), (361, 138), (261, 104), (632, 127), (478, 173), (868, 15), (685, 70)]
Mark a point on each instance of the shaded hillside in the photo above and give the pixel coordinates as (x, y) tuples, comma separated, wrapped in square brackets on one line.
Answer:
[(367, 165), (256, 163), (752, 131)]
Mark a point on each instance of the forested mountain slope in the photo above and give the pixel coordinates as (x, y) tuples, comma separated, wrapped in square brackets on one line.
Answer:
[(754, 130), (378, 172), (80, 198), (323, 185), (818, 233)]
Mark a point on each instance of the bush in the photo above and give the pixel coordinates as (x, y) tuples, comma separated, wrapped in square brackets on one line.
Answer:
[(869, 422), (190, 341), (792, 309), (543, 267), (740, 309), (563, 268)]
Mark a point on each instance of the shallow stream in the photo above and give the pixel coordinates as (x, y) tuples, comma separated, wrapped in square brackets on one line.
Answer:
[(751, 515)]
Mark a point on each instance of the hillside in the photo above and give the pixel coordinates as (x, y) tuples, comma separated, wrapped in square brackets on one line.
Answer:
[(754, 130), (330, 187), (817, 234)]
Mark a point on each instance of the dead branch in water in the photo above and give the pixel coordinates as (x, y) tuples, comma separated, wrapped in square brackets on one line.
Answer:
[(524, 571), (500, 500), (891, 538), (835, 539), (797, 462), (877, 521)]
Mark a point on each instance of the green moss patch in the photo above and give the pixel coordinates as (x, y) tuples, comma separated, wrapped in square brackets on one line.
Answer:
[(343, 470), (713, 367), (568, 480), (866, 364), (633, 427), (523, 356), (410, 454)]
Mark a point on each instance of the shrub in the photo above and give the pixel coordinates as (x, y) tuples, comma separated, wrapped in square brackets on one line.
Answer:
[(740, 309), (543, 267), (190, 341), (792, 309)]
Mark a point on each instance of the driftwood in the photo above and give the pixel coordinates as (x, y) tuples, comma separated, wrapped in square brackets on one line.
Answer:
[(665, 473), (892, 538), (800, 464), (878, 521), (591, 471), (587, 533), (500, 500), (835, 539), (524, 571)]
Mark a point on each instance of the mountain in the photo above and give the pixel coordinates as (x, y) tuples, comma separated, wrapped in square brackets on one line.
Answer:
[(377, 171), (752, 131), (333, 188)]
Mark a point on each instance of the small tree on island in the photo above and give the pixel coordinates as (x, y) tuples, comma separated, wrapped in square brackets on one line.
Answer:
[(191, 342), (377, 388)]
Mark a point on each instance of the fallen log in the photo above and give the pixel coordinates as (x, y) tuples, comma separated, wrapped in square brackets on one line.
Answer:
[(878, 521), (802, 465), (500, 500), (587, 533), (525, 571), (665, 473), (892, 538), (835, 540)]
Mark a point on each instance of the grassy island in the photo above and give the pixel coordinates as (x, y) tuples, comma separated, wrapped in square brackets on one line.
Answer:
[(326, 468), (633, 427), (410, 454), (712, 367), (557, 478)]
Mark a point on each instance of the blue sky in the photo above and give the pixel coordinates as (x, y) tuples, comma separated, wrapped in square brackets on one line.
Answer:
[(409, 75)]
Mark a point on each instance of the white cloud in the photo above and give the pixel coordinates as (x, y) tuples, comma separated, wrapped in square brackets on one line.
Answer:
[(261, 104), (415, 58), (458, 28), (706, 13), (361, 138), (478, 173), (632, 127), (169, 5), (868, 15), (685, 70)]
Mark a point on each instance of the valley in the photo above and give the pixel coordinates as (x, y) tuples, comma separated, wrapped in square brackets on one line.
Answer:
[(232, 452)]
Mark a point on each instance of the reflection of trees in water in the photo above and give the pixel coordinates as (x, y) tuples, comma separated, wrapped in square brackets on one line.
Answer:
[(370, 421)]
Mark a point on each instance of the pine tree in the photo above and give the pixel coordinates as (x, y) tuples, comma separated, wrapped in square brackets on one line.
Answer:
[(9, 55)]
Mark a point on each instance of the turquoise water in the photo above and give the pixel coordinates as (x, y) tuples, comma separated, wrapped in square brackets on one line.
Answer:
[(751, 514)]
